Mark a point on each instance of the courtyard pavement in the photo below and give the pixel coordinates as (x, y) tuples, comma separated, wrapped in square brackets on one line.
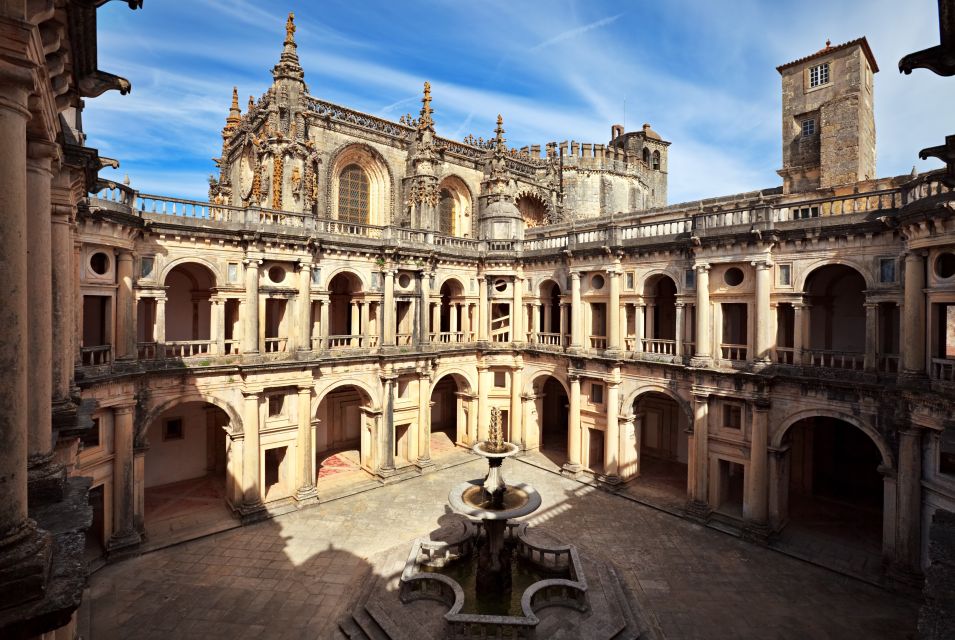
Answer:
[(294, 576)]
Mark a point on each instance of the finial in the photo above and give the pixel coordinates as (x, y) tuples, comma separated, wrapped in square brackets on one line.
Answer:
[(828, 43), (251, 103), (290, 28), (425, 120), (235, 98), (126, 180)]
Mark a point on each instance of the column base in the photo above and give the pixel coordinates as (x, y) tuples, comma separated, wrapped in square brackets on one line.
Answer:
[(252, 512), (25, 555), (570, 469), (45, 479), (65, 414), (614, 352), (123, 544), (697, 510), (425, 465), (611, 481), (911, 378), (701, 362), (306, 495), (757, 532)]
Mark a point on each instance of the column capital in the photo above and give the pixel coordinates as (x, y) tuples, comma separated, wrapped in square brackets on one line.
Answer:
[(304, 389), (42, 151), (124, 409), (762, 405), (304, 264), (124, 255), (762, 264), (252, 262), (575, 275), (251, 394), (702, 267)]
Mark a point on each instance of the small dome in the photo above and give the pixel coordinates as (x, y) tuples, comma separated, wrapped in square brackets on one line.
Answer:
[(650, 133), (502, 209)]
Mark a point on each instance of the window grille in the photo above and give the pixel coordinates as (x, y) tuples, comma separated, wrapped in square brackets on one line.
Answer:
[(353, 195), (819, 75), (808, 128), (446, 213)]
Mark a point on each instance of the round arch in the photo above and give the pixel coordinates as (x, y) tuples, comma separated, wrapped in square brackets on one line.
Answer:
[(380, 178), (370, 395), (461, 378), (191, 260), (654, 273), (235, 420), (351, 273), (462, 205), (549, 283), (885, 452), (803, 277), (631, 398), (530, 388), (454, 281), (535, 209)]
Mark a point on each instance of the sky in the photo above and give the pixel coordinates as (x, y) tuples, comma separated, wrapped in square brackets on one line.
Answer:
[(701, 72)]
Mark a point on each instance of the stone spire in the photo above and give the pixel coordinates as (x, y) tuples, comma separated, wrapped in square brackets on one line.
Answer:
[(232, 121), (251, 104), (500, 145), (289, 66), (424, 120)]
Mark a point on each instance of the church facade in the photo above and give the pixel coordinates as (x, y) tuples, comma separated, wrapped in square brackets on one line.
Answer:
[(355, 284)]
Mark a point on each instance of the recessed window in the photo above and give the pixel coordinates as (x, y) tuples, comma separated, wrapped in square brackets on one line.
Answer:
[(785, 272), (946, 463), (733, 276), (630, 280), (819, 75), (945, 265), (404, 280), (596, 393), (597, 282), (500, 285), (91, 439), (233, 272), (803, 213), (146, 265), (886, 270), (99, 263), (277, 274), (276, 405), (808, 128), (172, 429), (732, 416), (500, 379), (317, 277), (690, 278), (353, 195)]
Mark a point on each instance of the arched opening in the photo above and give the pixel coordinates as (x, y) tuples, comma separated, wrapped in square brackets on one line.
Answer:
[(449, 414), (185, 478), (360, 187), (659, 453), (189, 288), (833, 494), (646, 156), (342, 437), (454, 208), (656, 160), (553, 416), (549, 319), (837, 328), (660, 328), (353, 195), (453, 320), (533, 210), (347, 311)]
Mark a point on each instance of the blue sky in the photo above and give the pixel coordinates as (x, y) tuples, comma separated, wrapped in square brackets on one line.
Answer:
[(702, 72)]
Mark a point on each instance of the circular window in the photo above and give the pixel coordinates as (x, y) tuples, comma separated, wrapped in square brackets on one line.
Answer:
[(500, 285), (733, 276), (597, 282), (945, 265), (277, 274), (404, 280), (99, 263)]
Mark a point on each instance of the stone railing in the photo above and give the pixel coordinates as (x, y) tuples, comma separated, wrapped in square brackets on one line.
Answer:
[(831, 359), (943, 369), (551, 339), (598, 342), (332, 111), (657, 345), (96, 356), (924, 186), (784, 355), (276, 345), (461, 149), (737, 352)]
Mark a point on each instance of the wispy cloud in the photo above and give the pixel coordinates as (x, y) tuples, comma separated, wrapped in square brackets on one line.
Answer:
[(573, 33)]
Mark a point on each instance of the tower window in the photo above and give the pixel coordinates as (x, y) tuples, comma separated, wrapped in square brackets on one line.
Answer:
[(808, 128), (446, 213), (656, 160), (819, 75), (353, 195)]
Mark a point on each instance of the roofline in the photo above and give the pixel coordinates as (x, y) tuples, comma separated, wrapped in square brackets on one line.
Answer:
[(862, 42)]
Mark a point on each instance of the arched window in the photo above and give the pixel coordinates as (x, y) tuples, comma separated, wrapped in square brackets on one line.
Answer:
[(646, 156), (656, 159), (446, 213), (353, 197)]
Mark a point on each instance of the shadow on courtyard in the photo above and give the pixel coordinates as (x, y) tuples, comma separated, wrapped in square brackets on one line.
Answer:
[(298, 575)]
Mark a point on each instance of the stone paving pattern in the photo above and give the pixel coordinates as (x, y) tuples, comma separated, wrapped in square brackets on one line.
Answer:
[(296, 575)]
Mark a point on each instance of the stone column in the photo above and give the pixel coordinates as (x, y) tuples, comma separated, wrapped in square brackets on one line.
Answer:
[(125, 307), (159, 322), (763, 320), (483, 411), (612, 436), (436, 321), (638, 326), (388, 312), (43, 474), (324, 320), (573, 428), (63, 300), (799, 335), (756, 506), (465, 322), (536, 320), (517, 312), (250, 343), (424, 293), (515, 414), (701, 420), (576, 310), (424, 420), (613, 311), (386, 438), (913, 317), (251, 485), (909, 491), (364, 322), (563, 324), (303, 305), (355, 322), (704, 346), (870, 361), (484, 312), (628, 449), (218, 325), (124, 496), (679, 330), (306, 491), (453, 318)]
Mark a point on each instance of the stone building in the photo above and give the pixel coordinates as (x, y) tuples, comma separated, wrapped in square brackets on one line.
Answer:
[(356, 290)]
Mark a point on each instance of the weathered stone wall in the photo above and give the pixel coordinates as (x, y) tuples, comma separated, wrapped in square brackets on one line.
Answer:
[(938, 610)]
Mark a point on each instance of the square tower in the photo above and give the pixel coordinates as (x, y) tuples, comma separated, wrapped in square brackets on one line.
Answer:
[(828, 121)]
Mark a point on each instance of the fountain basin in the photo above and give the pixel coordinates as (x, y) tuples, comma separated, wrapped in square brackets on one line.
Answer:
[(470, 498)]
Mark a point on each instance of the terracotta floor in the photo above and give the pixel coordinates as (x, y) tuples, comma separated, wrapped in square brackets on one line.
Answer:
[(185, 509)]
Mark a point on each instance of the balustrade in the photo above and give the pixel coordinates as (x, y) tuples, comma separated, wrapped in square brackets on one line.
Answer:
[(835, 359), (943, 369), (889, 362), (655, 345), (598, 342), (275, 345), (98, 355), (552, 339), (784, 355), (737, 352)]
